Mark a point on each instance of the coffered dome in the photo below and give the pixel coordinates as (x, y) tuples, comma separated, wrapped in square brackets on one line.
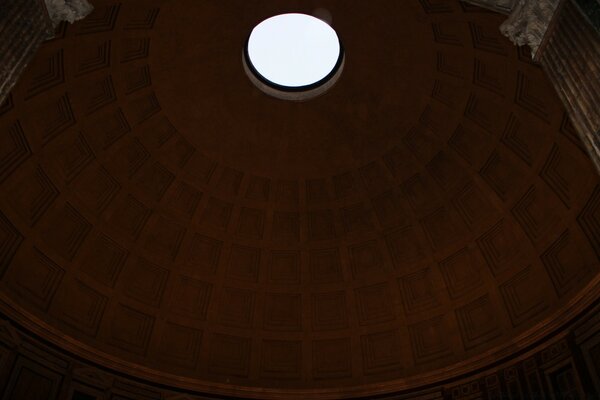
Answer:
[(430, 214)]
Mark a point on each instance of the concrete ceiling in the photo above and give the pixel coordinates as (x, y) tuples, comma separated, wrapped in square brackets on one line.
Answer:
[(161, 216)]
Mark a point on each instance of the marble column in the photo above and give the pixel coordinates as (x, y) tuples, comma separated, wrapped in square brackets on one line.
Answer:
[(564, 36), (24, 25), (570, 56), (527, 19)]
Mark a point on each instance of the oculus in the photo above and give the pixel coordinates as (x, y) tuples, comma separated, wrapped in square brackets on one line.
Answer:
[(293, 56)]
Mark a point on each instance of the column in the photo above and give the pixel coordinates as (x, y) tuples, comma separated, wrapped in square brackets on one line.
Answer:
[(24, 25), (571, 59)]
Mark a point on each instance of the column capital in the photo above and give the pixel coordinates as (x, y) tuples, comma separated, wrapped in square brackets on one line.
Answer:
[(68, 10), (528, 22)]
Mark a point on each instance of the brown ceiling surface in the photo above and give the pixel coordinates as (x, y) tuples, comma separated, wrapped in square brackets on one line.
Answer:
[(162, 216)]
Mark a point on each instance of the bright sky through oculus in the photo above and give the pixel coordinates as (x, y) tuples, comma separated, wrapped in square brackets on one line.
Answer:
[(293, 50)]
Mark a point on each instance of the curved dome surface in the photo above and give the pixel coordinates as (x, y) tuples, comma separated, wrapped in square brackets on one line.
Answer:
[(431, 213)]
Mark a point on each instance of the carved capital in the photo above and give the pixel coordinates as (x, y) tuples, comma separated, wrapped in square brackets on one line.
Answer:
[(68, 10), (528, 22)]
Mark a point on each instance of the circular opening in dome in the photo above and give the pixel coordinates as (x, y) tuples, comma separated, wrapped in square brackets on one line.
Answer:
[(293, 56)]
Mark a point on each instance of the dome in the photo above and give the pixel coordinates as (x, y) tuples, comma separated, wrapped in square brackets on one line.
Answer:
[(430, 214)]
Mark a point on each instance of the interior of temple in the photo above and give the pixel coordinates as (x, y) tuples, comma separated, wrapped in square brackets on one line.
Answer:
[(426, 228)]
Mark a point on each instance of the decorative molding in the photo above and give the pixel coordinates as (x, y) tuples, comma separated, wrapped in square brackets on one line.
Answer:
[(539, 347)]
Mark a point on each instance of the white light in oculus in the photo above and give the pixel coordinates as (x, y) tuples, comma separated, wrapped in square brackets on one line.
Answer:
[(294, 50)]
